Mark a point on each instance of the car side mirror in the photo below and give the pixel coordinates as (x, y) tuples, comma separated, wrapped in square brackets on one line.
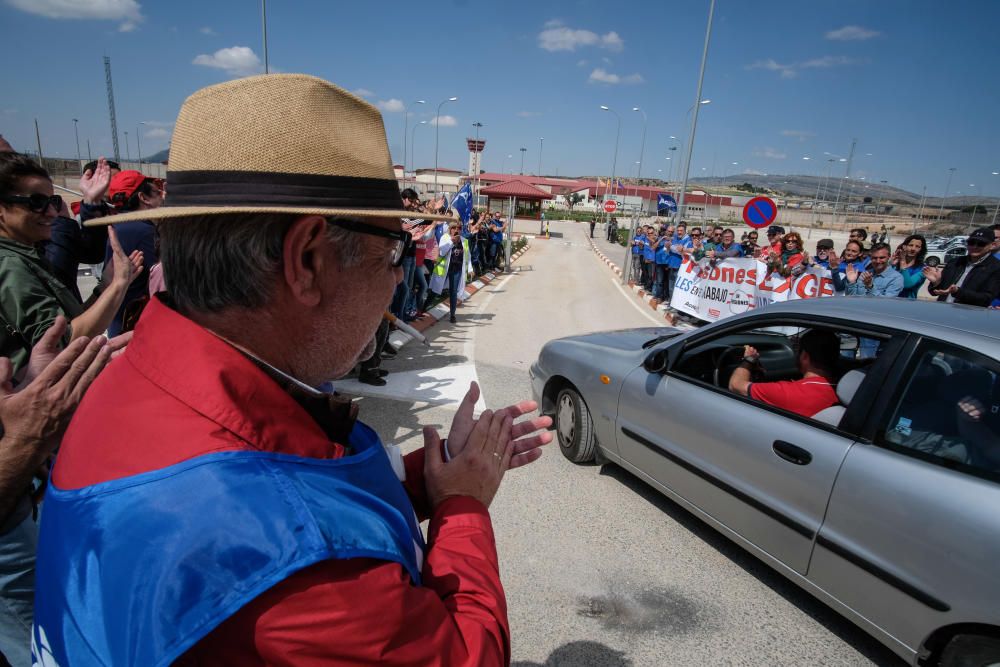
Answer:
[(656, 361)]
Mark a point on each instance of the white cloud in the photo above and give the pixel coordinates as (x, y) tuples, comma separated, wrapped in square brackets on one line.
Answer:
[(528, 114), (158, 133), (391, 105), (600, 75), (791, 70), (235, 61), (581, 63), (128, 12), (553, 23), (770, 153), (362, 92), (852, 33), (207, 31), (444, 121), (801, 135), (562, 38)]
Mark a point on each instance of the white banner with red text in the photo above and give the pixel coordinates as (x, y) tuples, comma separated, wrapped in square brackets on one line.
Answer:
[(713, 291)]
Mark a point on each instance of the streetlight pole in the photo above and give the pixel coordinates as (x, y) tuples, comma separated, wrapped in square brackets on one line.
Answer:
[(879, 204), (997, 210), (413, 137), (89, 157), (437, 135), (406, 129), (263, 19), (77, 133), (523, 151), (951, 172), (128, 155), (614, 161), (138, 145), (541, 145), (697, 103)]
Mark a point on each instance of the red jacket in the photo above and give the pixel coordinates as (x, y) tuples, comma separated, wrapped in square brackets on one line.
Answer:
[(179, 392)]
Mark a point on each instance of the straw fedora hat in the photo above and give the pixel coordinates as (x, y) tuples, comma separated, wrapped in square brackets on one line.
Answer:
[(279, 143)]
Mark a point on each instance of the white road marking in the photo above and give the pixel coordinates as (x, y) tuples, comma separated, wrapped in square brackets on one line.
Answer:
[(437, 386)]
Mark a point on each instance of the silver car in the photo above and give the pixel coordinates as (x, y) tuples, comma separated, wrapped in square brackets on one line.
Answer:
[(886, 506)]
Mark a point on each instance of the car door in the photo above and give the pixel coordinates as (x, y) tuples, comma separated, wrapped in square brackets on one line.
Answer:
[(764, 473), (912, 535)]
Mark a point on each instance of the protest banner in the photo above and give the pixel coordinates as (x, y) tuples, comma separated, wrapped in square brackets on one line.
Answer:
[(733, 286)]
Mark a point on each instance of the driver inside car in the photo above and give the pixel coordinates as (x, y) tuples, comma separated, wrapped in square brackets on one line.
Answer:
[(818, 352)]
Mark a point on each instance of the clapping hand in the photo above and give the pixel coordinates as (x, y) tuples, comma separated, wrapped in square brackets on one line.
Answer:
[(866, 278), (852, 273), (94, 184), (932, 273), (478, 469), (124, 268), (525, 443)]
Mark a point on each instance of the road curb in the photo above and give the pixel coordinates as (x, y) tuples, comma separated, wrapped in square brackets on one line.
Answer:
[(399, 339), (643, 296)]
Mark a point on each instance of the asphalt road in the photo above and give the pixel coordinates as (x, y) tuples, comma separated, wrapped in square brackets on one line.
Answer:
[(599, 569)]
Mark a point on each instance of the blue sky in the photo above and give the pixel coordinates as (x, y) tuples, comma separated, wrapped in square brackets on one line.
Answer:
[(914, 81)]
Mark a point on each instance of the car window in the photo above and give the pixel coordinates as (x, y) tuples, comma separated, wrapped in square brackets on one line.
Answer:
[(949, 412)]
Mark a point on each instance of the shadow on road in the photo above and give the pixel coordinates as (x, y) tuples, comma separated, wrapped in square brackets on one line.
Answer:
[(581, 654), (831, 620)]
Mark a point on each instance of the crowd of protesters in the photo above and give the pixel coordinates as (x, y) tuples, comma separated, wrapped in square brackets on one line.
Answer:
[(268, 299), (857, 270)]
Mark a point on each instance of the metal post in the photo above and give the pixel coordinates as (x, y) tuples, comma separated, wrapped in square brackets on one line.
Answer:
[(541, 145), (642, 146), (263, 19), (920, 213), (38, 138), (697, 103), (951, 172), (138, 145), (523, 151), (847, 174), (437, 135), (111, 108), (89, 157), (510, 233), (76, 132), (128, 154)]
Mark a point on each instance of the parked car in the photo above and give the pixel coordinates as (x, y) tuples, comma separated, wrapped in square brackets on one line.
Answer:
[(945, 252), (885, 507)]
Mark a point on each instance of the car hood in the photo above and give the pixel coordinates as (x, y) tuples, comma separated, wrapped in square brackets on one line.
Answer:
[(624, 339)]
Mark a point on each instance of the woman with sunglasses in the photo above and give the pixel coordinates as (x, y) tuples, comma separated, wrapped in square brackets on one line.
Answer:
[(909, 261), (790, 260), (31, 296)]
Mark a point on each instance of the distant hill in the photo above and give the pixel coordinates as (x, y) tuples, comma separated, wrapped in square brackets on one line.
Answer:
[(158, 157)]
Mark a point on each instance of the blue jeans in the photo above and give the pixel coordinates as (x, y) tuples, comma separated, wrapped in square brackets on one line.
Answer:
[(403, 289), (17, 591), (420, 282), (454, 280), (660, 282)]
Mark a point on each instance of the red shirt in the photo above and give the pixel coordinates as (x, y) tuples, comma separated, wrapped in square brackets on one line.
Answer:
[(179, 392), (804, 397)]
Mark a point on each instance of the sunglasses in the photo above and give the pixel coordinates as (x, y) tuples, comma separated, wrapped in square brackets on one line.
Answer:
[(697, 236), (403, 240), (978, 243), (791, 241), (36, 202)]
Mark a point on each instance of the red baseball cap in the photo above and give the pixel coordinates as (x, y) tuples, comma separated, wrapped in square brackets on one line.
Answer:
[(123, 185)]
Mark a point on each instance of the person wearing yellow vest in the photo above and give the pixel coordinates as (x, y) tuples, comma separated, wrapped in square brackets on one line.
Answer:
[(452, 265)]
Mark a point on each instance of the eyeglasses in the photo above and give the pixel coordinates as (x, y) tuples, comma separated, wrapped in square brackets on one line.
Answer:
[(791, 241), (403, 240), (36, 201), (978, 243)]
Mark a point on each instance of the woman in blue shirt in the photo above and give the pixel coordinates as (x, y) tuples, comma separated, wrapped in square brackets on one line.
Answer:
[(909, 260)]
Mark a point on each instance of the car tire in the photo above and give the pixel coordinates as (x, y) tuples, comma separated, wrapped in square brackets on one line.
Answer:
[(932, 261), (971, 651), (574, 427)]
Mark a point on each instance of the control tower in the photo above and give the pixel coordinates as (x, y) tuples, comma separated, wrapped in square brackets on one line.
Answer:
[(475, 149)]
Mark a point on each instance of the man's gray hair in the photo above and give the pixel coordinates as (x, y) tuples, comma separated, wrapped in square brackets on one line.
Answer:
[(215, 262)]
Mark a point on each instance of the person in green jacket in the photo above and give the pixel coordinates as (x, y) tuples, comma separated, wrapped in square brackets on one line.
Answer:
[(31, 296)]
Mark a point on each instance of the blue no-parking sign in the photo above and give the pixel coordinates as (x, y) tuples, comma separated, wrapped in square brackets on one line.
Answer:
[(760, 212)]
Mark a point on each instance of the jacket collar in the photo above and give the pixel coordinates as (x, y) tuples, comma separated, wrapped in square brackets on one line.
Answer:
[(222, 384)]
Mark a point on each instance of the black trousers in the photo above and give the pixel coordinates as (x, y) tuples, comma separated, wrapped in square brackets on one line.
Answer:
[(373, 362)]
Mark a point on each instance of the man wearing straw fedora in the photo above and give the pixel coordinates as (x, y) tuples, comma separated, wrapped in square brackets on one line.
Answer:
[(209, 505)]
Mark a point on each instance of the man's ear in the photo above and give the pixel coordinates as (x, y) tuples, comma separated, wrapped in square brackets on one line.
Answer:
[(304, 258)]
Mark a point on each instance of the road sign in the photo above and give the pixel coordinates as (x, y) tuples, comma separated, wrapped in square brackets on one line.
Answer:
[(760, 212), (610, 206)]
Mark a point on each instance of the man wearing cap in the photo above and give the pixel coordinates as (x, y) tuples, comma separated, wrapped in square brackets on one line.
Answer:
[(228, 512), (129, 191), (774, 235), (823, 253), (973, 279)]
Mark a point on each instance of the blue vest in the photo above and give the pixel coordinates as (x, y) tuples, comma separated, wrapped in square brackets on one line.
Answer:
[(137, 570)]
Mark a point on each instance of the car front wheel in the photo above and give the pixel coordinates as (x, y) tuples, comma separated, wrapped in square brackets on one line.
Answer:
[(574, 427), (971, 651)]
